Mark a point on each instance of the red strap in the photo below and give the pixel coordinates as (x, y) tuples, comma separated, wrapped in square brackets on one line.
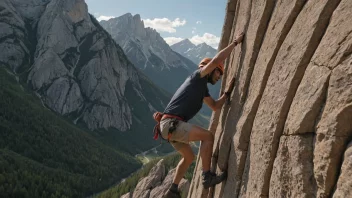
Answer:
[(156, 131), (171, 116)]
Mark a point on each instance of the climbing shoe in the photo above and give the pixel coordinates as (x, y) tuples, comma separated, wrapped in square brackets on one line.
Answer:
[(172, 194), (211, 179)]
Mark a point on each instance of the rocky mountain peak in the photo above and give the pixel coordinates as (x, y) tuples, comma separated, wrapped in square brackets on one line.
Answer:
[(193, 52), (77, 10), (204, 46), (137, 18), (71, 62), (183, 46), (186, 42), (147, 50)]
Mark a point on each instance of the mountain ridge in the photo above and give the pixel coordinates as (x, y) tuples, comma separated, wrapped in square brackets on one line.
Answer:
[(149, 52)]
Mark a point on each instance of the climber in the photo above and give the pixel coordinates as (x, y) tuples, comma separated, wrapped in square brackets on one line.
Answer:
[(184, 104)]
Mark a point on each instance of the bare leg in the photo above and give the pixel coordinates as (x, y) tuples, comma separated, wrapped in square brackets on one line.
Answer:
[(197, 133), (185, 162)]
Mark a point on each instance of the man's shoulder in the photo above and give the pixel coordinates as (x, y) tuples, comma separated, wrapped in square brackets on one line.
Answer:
[(195, 74)]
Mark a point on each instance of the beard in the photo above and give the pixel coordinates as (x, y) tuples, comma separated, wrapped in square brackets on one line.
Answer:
[(211, 78), (213, 82)]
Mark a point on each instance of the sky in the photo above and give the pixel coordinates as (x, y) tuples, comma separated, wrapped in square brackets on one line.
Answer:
[(175, 20)]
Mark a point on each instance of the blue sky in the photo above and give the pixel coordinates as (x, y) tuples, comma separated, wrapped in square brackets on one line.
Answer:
[(198, 20)]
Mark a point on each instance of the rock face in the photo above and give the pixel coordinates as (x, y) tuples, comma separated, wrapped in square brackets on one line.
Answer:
[(156, 184), (148, 51), (72, 63), (287, 130)]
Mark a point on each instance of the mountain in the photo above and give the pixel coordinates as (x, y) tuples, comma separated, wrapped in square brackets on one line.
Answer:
[(193, 52), (148, 51), (73, 64), (74, 109), (60, 52)]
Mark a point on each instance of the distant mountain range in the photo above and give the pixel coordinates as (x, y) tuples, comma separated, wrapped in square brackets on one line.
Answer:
[(149, 52), (194, 52)]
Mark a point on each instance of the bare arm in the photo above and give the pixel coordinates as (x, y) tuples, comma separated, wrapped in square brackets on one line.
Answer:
[(220, 57), (215, 105)]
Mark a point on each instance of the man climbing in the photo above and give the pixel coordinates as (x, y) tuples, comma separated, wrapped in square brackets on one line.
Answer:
[(185, 104)]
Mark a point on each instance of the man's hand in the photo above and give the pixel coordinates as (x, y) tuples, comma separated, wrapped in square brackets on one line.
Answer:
[(239, 38)]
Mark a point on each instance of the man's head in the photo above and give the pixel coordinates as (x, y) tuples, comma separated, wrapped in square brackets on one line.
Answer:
[(216, 74)]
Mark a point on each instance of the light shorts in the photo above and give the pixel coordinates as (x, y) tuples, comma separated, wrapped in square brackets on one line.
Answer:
[(179, 137)]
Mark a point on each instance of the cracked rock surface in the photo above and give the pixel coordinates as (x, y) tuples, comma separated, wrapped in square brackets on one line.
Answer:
[(287, 130)]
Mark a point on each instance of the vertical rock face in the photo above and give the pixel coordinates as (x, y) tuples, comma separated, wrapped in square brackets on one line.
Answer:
[(287, 129), (344, 184), (72, 63)]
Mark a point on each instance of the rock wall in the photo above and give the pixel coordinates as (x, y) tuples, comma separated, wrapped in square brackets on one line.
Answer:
[(287, 131), (156, 183)]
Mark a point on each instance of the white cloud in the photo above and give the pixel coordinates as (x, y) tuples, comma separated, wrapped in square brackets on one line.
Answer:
[(164, 24), (207, 38), (172, 40), (199, 22), (104, 18)]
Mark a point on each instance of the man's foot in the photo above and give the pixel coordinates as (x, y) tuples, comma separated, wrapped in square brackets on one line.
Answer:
[(172, 194), (211, 179)]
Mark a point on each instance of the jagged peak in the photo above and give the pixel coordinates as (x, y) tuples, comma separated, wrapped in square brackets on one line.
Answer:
[(185, 42), (128, 15), (124, 16), (137, 17), (204, 46)]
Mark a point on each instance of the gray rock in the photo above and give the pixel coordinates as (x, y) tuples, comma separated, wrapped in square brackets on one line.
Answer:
[(46, 69), (30, 9), (77, 68), (154, 179), (13, 35), (344, 184), (127, 195), (290, 130), (160, 191)]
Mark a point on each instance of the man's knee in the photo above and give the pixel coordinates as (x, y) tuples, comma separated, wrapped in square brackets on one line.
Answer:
[(198, 133), (209, 138)]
